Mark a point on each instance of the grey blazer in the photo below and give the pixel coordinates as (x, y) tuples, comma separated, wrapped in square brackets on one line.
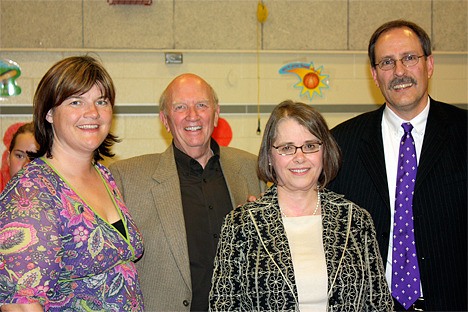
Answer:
[(150, 187)]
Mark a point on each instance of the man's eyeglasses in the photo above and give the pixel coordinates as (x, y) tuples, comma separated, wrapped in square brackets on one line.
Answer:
[(307, 148), (389, 63)]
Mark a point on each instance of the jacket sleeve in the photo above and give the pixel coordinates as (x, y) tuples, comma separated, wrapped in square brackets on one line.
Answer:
[(379, 297), (225, 289)]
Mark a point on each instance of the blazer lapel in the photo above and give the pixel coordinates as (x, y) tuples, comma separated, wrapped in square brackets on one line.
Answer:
[(272, 233), (166, 195), (436, 130), (372, 154), (235, 182)]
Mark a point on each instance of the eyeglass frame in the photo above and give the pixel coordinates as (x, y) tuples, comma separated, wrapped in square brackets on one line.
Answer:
[(401, 60), (296, 147)]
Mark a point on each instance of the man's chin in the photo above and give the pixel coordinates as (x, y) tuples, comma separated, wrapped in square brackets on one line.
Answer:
[(194, 145)]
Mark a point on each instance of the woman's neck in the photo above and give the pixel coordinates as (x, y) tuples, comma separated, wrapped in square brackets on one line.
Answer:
[(72, 165), (298, 203)]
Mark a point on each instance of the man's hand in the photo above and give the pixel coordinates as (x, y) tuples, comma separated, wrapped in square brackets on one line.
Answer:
[(251, 198)]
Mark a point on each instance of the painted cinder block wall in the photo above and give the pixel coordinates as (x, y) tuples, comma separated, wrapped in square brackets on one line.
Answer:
[(223, 42)]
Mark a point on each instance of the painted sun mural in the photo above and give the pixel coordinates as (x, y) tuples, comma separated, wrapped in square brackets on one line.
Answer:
[(311, 79)]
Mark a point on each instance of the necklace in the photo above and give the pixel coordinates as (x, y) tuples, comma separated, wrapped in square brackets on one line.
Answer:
[(318, 203), (316, 206)]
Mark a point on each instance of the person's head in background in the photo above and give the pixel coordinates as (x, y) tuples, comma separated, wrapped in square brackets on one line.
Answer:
[(23, 141), (312, 121), (189, 110), (401, 65), (70, 77)]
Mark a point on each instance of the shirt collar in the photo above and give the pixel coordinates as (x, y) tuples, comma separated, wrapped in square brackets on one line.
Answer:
[(419, 122), (187, 163)]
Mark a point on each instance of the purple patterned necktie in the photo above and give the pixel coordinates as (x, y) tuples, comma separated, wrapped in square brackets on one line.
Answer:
[(405, 269)]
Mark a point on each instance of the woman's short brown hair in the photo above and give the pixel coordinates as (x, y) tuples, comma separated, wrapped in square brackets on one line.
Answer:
[(313, 121), (72, 75)]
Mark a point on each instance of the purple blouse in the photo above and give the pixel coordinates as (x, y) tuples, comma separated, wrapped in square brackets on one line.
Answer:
[(55, 250)]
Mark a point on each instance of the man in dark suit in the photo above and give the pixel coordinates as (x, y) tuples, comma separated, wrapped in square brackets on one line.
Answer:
[(179, 198), (401, 66)]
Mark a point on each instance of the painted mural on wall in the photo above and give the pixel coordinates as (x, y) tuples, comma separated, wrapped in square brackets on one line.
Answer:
[(9, 72), (311, 79)]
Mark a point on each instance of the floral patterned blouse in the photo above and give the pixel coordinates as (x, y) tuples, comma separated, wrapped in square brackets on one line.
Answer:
[(55, 250)]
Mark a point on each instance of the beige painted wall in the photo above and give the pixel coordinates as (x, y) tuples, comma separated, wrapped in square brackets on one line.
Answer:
[(223, 24), (218, 40)]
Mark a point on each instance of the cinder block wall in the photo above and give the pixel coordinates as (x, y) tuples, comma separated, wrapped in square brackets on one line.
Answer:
[(223, 42)]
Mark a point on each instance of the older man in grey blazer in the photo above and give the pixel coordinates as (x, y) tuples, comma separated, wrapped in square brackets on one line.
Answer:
[(179, 197)]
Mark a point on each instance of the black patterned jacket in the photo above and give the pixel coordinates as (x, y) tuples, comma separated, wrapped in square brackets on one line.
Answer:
[(254, 271)]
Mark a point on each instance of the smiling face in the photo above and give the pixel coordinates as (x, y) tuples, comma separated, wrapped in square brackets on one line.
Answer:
[(298, 172), (18, 157), (404, 88), (191, 115), (81, 122)]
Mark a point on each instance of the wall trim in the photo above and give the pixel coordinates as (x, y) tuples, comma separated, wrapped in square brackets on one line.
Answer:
[(151, 109)]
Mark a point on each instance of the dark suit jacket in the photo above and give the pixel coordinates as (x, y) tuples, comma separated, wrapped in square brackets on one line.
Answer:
[(439, 202), (150, 187)]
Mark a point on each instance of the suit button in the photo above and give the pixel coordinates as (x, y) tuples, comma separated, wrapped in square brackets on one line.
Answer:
[(186, 303)]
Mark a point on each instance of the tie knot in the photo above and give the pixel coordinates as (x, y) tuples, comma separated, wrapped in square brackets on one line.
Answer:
[(407, 127)]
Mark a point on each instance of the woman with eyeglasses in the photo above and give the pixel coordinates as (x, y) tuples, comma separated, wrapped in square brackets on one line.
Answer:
[(299, 246)]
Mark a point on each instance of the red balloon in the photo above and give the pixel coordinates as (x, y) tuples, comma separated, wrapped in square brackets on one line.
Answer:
[(223, 132)]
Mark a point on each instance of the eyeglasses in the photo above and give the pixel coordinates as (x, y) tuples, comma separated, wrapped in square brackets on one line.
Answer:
[(307, 148), (408, 61)]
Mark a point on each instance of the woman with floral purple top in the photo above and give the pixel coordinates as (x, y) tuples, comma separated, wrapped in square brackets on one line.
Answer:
[(67, 241)]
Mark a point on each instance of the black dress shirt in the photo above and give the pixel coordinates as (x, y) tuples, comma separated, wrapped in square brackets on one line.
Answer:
[(206, 201)]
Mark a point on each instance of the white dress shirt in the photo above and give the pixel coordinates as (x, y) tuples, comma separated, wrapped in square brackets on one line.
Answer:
[(391, 135)]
